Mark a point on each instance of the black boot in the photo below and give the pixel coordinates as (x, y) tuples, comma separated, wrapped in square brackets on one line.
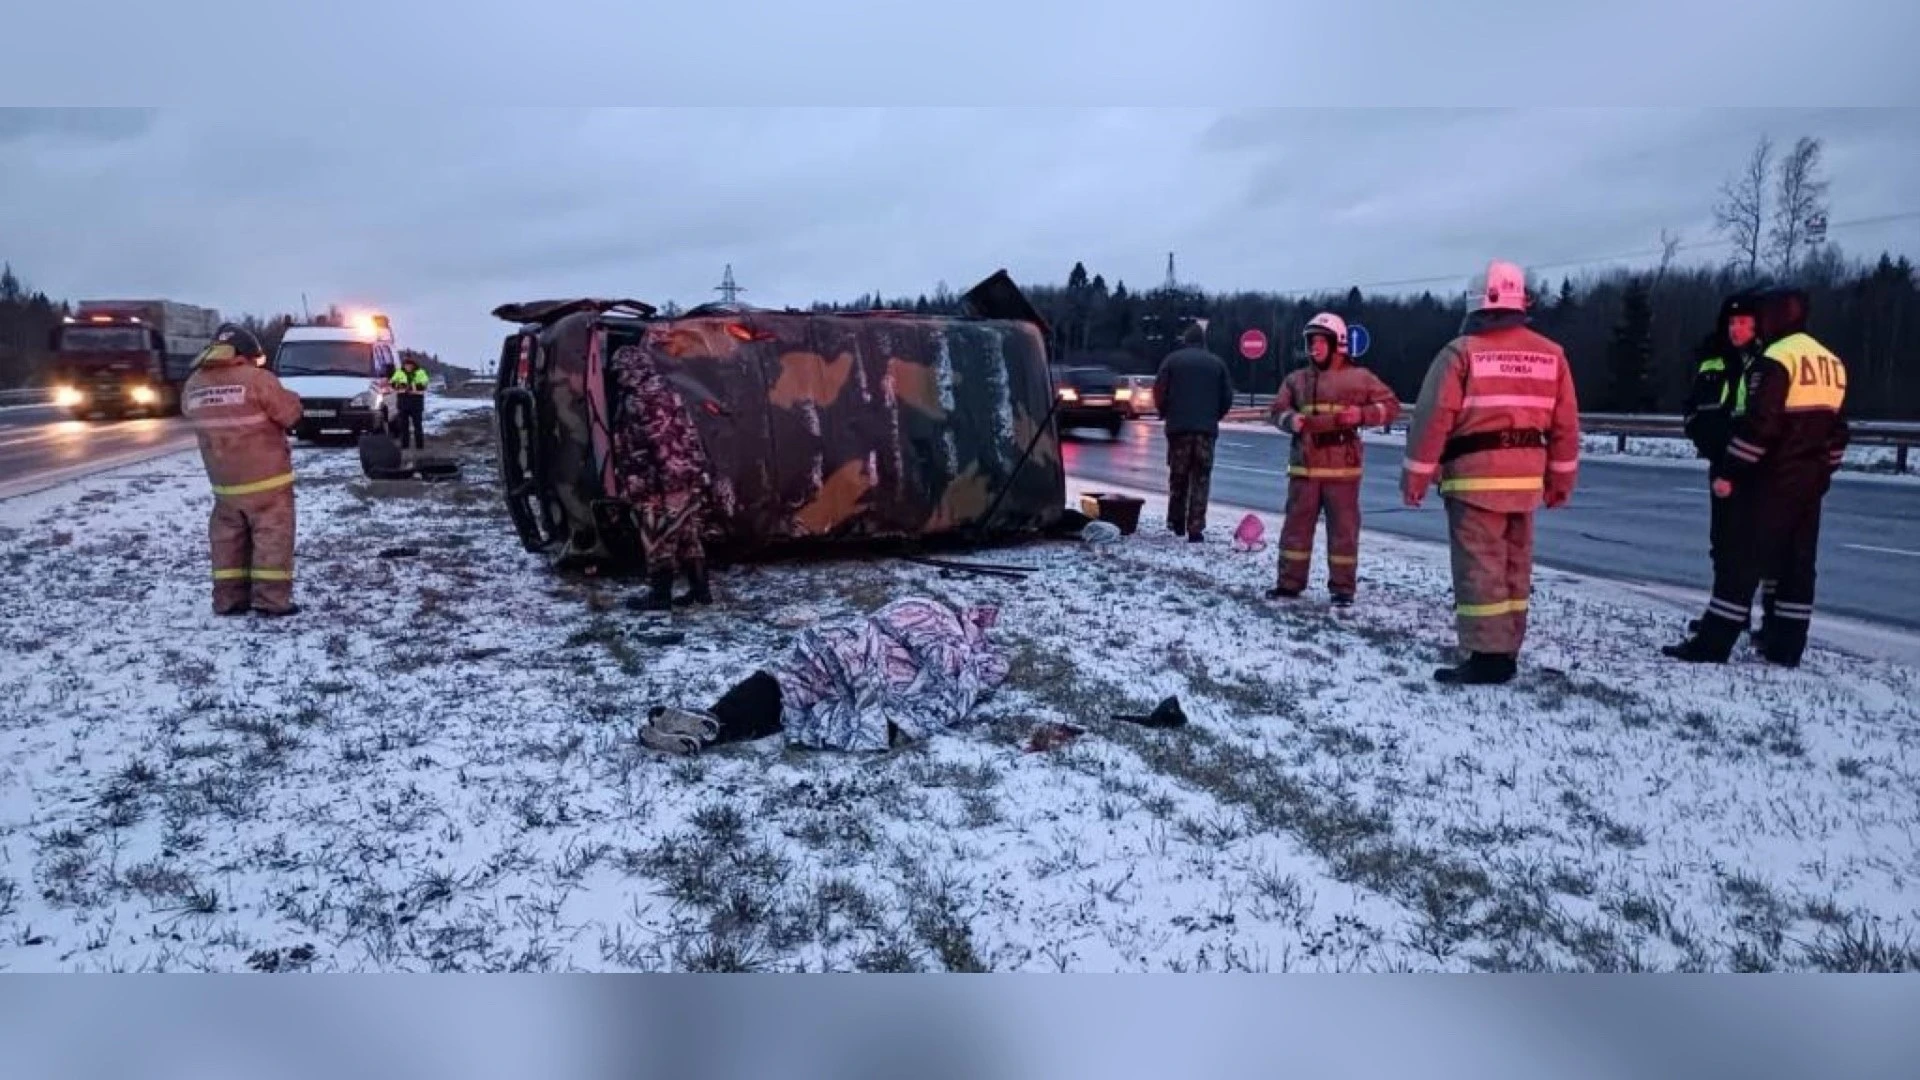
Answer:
[(659, 593), (1780, 642), (1711, 643), (699, 589), (1281, 592), (1697, 650), (1479, 669)]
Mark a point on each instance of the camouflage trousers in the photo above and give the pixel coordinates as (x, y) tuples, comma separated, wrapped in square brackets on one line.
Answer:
[(670, 534), (1189, 482), (1307, 500), (1492, 576), (251, 539)]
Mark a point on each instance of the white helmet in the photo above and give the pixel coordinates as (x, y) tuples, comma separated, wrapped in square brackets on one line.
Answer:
[(1502, 288), (1329, 324)]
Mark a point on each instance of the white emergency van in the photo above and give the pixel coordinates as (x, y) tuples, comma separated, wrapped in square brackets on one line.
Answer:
[(341, 374)]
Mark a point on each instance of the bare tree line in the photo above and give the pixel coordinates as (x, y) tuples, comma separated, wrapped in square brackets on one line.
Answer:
[(1774, 213)]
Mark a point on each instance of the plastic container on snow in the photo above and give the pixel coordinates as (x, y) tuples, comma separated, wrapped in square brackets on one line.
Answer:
[(1122, 510)]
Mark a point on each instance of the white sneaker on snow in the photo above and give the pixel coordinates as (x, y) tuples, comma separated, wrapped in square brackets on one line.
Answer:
[(678, 731)]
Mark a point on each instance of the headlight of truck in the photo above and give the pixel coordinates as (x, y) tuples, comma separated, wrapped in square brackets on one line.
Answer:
[(365, 399), (67, 397), (144, 395)]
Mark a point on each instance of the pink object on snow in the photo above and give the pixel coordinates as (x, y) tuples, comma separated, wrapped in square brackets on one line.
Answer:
[(1250, 535)]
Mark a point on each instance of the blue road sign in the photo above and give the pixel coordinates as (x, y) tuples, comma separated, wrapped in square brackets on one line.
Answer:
[(1357, 340)]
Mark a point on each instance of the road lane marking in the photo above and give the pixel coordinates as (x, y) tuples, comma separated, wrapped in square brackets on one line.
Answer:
[(1884, 550), (35, 435), (34, 483)]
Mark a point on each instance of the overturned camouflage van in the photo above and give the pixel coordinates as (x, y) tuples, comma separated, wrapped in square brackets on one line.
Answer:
[(817, 429)]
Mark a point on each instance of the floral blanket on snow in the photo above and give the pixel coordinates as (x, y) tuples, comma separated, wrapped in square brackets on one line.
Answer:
[(915, 666)]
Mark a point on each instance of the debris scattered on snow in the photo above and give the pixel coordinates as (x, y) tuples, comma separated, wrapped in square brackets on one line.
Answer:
[(1052, 736)]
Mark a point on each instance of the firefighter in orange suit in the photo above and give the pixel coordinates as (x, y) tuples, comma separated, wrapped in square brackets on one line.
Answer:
[(1324, 406), (1498, 422), (241, 414)]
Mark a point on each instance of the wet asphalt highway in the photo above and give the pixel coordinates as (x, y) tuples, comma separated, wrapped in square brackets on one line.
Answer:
[(1644, 522), (41, 446)]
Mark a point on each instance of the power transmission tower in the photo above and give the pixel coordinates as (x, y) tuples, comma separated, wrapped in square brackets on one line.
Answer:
[(1173, 282), (729, 289)]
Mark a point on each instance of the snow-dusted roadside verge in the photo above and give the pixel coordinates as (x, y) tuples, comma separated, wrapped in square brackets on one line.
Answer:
[(433, 768)]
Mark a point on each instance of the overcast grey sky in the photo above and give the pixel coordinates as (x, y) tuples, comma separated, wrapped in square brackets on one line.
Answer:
[(437, 216)]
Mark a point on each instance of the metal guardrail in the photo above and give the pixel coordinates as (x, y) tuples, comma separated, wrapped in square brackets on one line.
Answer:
[(1902, 435), (31, 396)]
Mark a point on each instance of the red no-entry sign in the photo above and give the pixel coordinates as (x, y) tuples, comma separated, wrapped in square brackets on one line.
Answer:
[(1253, 344)]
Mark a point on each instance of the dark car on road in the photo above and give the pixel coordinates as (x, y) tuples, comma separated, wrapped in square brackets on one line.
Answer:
[(1089, 397)]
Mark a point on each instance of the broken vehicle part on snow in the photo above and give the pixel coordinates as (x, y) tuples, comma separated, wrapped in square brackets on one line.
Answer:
[(382, 459), (813, 428), (1168, 714), (948, 567)]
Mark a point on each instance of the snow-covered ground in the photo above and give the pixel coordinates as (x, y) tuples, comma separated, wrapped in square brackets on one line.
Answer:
[(433, 767)]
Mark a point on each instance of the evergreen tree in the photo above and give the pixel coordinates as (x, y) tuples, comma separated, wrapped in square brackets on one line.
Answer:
[(1630, 353)]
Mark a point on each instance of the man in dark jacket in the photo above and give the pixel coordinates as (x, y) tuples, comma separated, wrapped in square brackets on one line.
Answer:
[(1193, 393)]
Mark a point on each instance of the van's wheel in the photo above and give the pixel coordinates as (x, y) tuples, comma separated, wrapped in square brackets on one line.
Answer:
[(1113, 428)]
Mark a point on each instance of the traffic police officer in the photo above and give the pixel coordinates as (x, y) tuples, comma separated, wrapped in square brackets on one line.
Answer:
[(1719, 391), (1787, 440), (409, 382)]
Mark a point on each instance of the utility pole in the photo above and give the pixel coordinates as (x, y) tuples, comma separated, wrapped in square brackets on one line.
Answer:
[(728, 288), (1173, 282)]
